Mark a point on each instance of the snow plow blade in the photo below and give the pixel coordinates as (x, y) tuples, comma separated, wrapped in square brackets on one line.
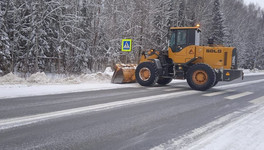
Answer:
[(124, 73)]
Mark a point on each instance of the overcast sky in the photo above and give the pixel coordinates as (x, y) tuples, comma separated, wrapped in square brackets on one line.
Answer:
[(258, 2)]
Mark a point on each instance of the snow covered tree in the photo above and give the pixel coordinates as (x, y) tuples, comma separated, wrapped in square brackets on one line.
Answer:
[(218, 23), (80, 36), (182, 14), (164, 17), (5, 55)]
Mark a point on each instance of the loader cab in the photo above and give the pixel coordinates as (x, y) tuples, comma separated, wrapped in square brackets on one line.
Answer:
[(182, 37)]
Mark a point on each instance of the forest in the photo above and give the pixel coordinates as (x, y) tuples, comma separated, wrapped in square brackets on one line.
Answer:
[(84, 36)]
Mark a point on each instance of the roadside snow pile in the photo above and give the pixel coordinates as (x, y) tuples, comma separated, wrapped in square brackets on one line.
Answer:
[(39, 77), (85, 78), (42, 78), (11, 79), (89, 78), (108, 71), (48, 84), (256, 72)]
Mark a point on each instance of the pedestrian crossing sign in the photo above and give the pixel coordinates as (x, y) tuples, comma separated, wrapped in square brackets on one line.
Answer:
[(126, 45)]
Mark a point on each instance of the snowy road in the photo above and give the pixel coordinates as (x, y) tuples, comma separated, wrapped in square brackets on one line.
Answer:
[(134, 117)]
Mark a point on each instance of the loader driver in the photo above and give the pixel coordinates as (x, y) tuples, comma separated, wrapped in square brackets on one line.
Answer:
[(181, 40)]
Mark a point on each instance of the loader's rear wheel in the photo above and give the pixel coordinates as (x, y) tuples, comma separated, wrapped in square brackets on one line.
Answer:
[(216, 80), (164, 81), (147, 74), (201, 77)]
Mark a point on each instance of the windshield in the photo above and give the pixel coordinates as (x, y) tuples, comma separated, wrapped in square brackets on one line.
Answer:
[(181, 37)]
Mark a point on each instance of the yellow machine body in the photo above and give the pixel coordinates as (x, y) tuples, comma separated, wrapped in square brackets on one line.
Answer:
[(151, 54), (217, 57)]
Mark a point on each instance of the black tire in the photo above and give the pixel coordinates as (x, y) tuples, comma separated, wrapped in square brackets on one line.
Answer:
[(154, 75), (215, 83), (164, 81), (216, 80), (209, 77)]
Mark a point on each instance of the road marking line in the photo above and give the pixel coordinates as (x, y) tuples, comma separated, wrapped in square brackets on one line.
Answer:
[(217, 93), (173, 89), (20, 121), (257, 100), (239, 95)]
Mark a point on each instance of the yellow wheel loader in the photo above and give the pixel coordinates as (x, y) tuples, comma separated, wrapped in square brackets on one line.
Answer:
[(202, 66)]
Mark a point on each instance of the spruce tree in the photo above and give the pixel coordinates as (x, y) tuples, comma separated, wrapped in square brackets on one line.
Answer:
[(181, 13), (5, 55), (218, 23)]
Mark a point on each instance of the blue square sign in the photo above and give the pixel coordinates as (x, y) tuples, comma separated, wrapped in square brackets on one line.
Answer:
[(126, 45)]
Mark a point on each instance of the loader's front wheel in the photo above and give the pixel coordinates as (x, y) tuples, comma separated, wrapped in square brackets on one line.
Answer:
[(201, 77), (147, 74)]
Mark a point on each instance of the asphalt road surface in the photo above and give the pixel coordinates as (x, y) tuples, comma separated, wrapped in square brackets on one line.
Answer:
[(120, 119)]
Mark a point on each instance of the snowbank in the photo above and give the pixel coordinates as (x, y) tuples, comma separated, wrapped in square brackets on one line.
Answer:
[(255, 72), (11, 79), (39, 77), (37, 84), (42, 78)]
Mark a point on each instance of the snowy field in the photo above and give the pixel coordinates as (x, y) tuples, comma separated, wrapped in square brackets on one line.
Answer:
[(12, 86)]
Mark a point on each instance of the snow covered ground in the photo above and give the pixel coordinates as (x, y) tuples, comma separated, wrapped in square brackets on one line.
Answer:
[(12, 86), (247, 133), (12, 91), (241, 133)]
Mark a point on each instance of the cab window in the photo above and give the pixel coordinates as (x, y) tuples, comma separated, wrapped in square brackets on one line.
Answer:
[(179, 40), (173, 40), (182, 38)]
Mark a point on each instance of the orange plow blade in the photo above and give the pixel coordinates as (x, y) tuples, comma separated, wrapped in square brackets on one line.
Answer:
[(124, 73)]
